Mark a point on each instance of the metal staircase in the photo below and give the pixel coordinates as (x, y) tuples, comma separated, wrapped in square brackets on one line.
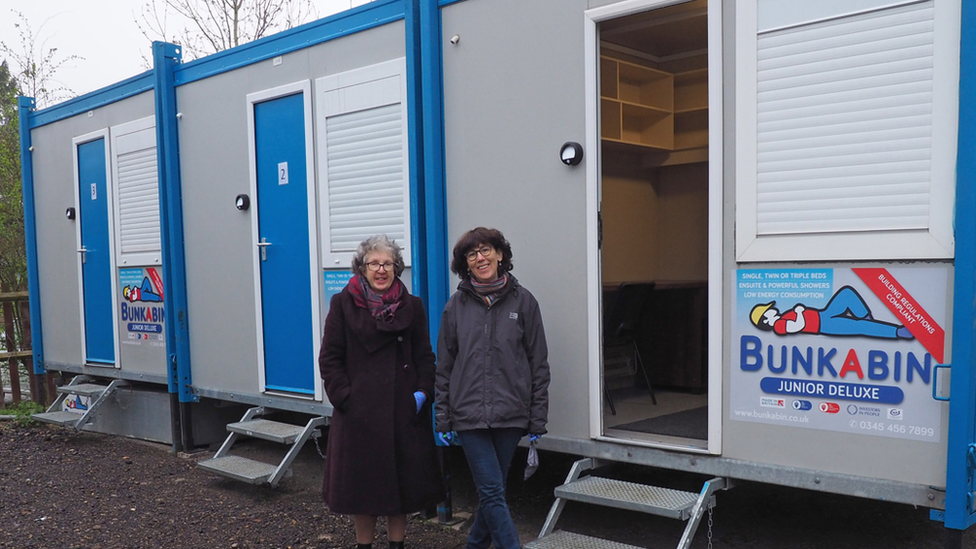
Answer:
[(253, 425), (655, 500), (81, 386)]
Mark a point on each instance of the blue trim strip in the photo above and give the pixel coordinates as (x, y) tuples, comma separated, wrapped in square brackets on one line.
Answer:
[(367, 16), (415, 109), (93, 100), (443, 3), (435, 203), (166, 57), (962, 404), (25, 107)]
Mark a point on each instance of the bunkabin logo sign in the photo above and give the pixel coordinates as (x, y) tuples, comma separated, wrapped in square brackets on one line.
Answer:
[(848, 350), (141, 307)]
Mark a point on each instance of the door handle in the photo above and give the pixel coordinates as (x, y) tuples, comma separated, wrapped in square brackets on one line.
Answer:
[(264, 249), (82, 251)]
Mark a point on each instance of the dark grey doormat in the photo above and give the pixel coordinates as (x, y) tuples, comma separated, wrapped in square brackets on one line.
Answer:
[(687, 424)]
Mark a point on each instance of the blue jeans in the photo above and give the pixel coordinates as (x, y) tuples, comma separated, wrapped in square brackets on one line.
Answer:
[(489, 453)]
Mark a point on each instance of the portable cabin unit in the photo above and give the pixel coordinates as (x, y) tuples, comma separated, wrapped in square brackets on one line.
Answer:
[(749, 224), (781, 190), (221, 303)]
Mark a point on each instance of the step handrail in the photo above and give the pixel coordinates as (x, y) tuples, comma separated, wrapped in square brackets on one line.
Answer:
[(706, 500)]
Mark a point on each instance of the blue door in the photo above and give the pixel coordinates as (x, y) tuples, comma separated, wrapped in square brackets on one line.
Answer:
[(282, 206), (96, 266)]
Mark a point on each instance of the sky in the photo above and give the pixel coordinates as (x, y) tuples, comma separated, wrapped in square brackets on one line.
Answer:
[(103, 32)]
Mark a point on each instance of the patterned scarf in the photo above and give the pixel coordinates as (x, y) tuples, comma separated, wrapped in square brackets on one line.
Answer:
[(489, 291), (381, 307)]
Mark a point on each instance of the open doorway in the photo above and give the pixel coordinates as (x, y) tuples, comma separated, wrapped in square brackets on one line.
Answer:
[(654, 215)]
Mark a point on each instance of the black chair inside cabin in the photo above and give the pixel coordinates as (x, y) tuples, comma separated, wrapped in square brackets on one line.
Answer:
[(621, 320)]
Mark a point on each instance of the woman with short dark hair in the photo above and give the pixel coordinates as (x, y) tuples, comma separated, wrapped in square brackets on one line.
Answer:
[(492, 375), (378, 367)]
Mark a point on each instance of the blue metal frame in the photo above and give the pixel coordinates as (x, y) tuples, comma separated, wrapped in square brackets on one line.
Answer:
[(415, 155), (25, 108), (959, 505), (98, 98), (367, 16), (166, 57), (435, 195)]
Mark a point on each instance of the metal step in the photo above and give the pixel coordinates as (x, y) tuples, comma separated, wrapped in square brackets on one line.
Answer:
[(83, 389), (653, 500), (275, 431), (568, 540), (239, 468), (57, 418)]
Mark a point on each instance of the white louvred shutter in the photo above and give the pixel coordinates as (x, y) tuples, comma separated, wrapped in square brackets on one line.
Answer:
[(844, 124), (138, 240), (846, 129), (365, 167), (139, 201), (363, 160)]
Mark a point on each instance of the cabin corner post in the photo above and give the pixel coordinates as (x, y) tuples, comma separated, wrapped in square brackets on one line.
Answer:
[(960, 465), (166, 57), (25, 108), (435, 199)]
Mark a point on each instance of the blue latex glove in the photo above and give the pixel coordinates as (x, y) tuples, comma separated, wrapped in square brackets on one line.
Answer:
[(444, 439), (420, 397), (533, 438)]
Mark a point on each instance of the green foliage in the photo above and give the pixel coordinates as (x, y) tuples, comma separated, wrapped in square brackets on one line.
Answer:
[(22, 412), (13, 257)]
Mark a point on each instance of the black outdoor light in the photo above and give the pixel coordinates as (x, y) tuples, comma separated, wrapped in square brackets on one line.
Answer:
[(571, 153), (69, 213), (242, 202)]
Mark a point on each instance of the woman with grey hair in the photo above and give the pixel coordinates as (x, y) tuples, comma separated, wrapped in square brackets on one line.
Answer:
[(378, 367)]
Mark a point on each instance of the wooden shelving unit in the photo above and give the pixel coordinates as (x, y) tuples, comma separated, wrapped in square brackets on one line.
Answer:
[(652, 108)]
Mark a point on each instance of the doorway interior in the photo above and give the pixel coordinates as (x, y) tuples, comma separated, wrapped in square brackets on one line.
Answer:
[(654, 218)]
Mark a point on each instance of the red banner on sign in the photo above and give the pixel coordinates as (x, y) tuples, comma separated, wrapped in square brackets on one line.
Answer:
[(908, 311), (156, 280)]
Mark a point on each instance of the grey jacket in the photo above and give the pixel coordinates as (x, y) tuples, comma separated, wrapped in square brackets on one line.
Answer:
[(492, 362)]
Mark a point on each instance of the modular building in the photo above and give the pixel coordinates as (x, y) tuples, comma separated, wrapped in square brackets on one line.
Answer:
[(749, 224)]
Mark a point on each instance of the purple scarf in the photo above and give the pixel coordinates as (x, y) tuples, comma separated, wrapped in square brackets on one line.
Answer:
[(380, 306)]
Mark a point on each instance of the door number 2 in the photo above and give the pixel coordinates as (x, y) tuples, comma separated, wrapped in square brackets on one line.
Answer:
[(282, 173)]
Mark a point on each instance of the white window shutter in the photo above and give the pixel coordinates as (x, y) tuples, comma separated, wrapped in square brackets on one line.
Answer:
[(365, 165), (137, 202), (849, 114), (844, 124), (363, 160)]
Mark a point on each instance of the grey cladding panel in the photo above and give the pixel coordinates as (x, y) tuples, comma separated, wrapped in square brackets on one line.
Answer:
[(513, 94)]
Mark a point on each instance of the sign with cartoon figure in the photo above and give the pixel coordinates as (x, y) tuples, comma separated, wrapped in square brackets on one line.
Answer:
[(141, 307), (848, 350)]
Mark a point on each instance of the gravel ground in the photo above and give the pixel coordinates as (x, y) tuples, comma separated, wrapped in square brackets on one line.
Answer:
[(61, 489)]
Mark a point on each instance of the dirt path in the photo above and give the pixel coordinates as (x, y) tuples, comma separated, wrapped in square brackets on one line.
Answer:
[(62, 489)]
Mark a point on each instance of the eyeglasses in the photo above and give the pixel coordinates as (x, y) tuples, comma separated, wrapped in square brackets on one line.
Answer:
[(484, 251), (374, 266)]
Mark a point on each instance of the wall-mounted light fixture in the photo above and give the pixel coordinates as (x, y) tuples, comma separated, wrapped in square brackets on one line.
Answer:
[(69, 213), (571, 153), (242, 202)]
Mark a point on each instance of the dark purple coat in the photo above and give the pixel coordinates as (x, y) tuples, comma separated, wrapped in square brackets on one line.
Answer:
[(381, 456)]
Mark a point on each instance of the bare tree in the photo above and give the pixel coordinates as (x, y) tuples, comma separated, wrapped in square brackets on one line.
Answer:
[(209, 26), (35, 65)]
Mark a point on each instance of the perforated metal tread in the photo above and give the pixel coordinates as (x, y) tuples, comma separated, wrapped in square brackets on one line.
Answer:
[(239, 468), (57, 418), (275, 431), (569, 540), (653, 500), (83, 389)]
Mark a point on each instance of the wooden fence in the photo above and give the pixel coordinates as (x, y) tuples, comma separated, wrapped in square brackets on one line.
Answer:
[(15, 312)]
